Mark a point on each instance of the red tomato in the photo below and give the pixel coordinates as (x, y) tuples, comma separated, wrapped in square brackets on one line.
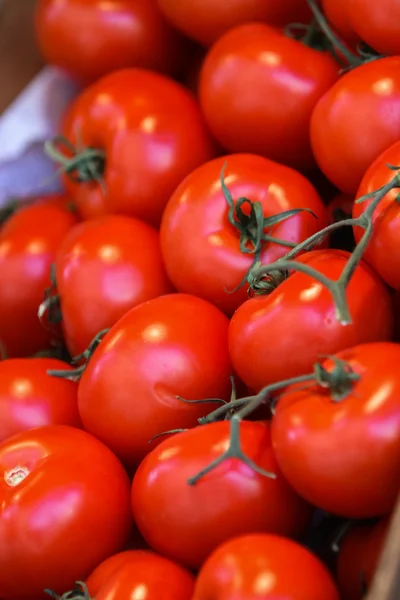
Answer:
[(377, 26), (201, 248), (358, 558), (153, 134), (258, 89), (186, 522), (283, 334), (105, 267), (258, 566), (337, 13), (29, 241), (205, 21), (171, 346), (342, 477), (356, 120), (90, 38), (60, 489), (383, 252), (30, 398), (140, 574)]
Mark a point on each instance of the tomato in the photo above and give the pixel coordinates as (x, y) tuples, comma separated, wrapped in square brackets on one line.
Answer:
[(206, 21), (140, 574), (358, 558), (356, 471), (356, 120), (258, 566), (186, 522), (105, 267), (30, 398), (383, 252), (171, 346), (28, 243), (337, 13), (90, 38), (281, 335), (201, 248), (377, 27), (258, 89), (60, 489), (153, 134)]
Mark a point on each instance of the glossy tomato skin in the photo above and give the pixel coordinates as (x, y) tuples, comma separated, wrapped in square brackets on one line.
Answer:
[(140, 573), (75, 494), (206, 21), (186, 522), (258, 565), (334, 477), (201, 248), (153, 134), (337, 13), (90, 38), (174, 345), (29, 241), (358, 557), (282, 335), (383, 252), (258, 89), (104, 267), (30, 398), (376, 26), (356, 120)]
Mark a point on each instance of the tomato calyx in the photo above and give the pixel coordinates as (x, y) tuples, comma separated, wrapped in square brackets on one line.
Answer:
[(310, 35), (254, 228), (337, 288), (339, 380), (80, 592), (85, 357), (49, 310), (81, 164)]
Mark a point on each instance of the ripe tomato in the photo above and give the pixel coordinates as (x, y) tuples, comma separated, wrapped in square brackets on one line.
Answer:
[(258, 89), (356, 120), (153, 134), (337, 13), (259, 566), (342, 477), (90, 38), (60, 489), (358, 557), (383, 252), (140, 574), (201, 248), (30, 398), (28, 243), (206, 21), (186, 522), (105, 267), (376, 26), (281, 335), (171, 346)]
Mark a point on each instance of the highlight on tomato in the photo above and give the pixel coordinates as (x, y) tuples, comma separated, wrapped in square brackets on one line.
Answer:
[(29, 240), (129, 140), (338, 445), (103, 268), (281, 331), (187, 522), (90, 38), (30, 397), (258, 565), (211, 233), (258, 90), (64, 490), (156, 359)]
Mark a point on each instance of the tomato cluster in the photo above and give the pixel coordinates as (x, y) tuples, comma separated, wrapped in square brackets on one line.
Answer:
[(195, 396)]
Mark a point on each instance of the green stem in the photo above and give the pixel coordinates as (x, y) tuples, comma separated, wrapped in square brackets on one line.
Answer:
[(77, 373)]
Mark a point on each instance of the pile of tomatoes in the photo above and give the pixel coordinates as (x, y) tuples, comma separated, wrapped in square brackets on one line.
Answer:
[(197, 402)]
